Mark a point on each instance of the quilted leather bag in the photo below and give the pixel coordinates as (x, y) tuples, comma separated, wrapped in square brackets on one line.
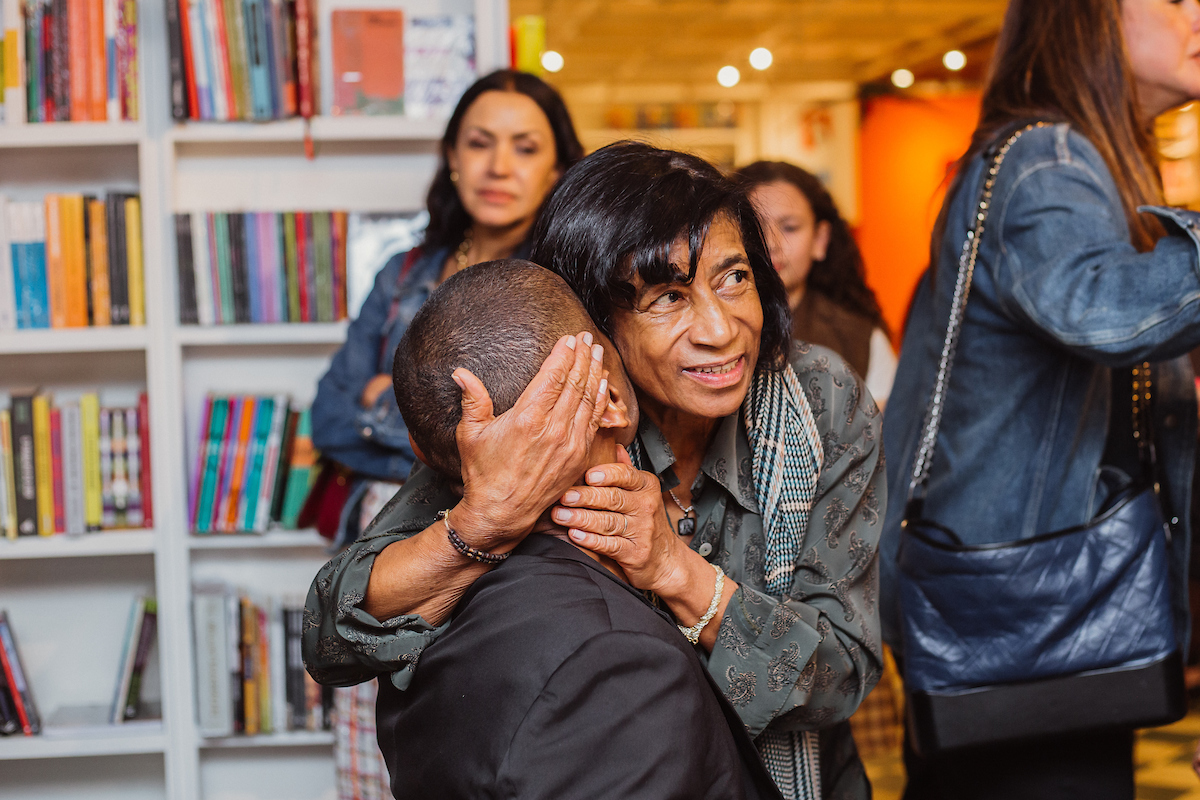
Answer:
[(1060, 633)]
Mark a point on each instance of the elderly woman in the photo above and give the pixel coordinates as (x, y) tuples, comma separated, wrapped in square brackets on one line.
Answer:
[(750, 501)]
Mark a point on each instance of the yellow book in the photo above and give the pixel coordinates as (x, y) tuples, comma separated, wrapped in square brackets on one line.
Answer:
[(43, 465), (55, 279), (8, 521), (133, 254), (74, 259), (93, 498)]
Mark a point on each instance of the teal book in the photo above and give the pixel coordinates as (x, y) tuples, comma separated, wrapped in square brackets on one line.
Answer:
[(218, 424), (224, 266), (264, 413), (302, 471)]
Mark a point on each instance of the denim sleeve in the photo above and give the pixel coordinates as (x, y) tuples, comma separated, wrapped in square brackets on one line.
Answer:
[(805, 661), (1068, 269), (374, 440)]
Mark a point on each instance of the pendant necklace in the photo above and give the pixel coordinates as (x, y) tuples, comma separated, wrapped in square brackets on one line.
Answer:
[(687, 525)]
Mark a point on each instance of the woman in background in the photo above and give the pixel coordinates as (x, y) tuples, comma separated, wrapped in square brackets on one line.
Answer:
[(507, 143), (822, 270)]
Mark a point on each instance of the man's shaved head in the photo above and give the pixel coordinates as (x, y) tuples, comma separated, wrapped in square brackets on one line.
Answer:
[(500, 320)]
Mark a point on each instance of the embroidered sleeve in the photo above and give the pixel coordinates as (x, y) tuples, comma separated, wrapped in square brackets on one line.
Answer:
[(806, 660)]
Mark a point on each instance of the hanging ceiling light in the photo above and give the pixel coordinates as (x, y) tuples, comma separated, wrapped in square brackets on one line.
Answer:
[(954, 60), (903, 78), (761, 58), (728, 76), (552, 61)]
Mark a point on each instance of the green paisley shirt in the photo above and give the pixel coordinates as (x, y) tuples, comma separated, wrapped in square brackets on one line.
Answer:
[(803, 661)]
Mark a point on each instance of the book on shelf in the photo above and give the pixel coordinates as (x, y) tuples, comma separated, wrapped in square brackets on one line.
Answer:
[(10, 723), (72, 261), (250, 678), (261, 267), (70, 60), (372, 239), (368, 61), (70, 466), (439, 63), (140, 633), (238, 59), (17, 679), (254, 464)]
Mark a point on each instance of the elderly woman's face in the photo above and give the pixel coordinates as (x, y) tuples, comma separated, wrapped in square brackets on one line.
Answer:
[(691, 348)]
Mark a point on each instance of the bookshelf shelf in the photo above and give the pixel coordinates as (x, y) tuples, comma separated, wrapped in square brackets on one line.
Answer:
[(272, 540), (113, 743), (332, 333), (105, 543), (71, 134), (289, 739), (322, 129), (74, 340)]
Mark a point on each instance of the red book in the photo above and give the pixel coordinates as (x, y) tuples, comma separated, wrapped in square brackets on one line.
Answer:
[(144, 475), (303, 264), (47, 49), (56, 461), (304, 59), (339, 232), (77, 59), (14, 675), (222, 53), (189, 68)]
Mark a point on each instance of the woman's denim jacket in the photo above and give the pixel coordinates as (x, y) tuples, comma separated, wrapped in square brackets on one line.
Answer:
[(1061, 307), (373, 441)]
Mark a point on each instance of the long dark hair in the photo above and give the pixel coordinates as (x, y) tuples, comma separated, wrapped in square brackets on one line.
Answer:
[(840, 275), (617, 213), (1066, 61), (448, 219)]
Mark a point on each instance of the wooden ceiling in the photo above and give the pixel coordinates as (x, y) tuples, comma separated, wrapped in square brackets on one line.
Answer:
[(687, 41)]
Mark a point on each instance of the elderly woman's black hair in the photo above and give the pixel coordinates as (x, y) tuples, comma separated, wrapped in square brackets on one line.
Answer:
[(840, 276), (448, 220), (617, 213)]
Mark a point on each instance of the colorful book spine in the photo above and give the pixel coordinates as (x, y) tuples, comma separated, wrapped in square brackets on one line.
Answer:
[(301, 471), (74, 494), (44, 465), (146, 483), (108, 517), (99, 269), (16, 99), (8, 485), (93, 486), (17, 679), (56, 471), (133, 469), (134, 265), (24, 461), (120, 467)]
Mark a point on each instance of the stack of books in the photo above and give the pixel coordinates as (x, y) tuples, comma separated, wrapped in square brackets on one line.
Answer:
[(72, 261), (261, 267), (249, 675), (255, 464), (70, 60), (241, 59), (73, 466)]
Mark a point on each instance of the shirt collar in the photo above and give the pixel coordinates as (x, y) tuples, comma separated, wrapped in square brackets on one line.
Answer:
[(728, 460)]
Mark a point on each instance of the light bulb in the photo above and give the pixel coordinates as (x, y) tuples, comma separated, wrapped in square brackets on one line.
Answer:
[(728, 76), (761, 58), (902, 79), (552, 61), (954, 60)]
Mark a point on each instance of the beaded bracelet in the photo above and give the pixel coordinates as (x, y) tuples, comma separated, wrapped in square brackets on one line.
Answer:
[(693, 633), (466, 549)]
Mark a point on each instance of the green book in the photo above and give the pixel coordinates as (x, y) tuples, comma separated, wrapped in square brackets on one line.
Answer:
[(264, 414), (212, 463), (224, 267), (302, 473), (290, 267), (239, 59), (323, 258)]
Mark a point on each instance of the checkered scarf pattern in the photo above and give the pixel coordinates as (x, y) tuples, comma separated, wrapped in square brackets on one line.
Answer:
[(787, 457)]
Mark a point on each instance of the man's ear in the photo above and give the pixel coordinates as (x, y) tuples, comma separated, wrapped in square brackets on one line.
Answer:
[(616, 413), (820, 242), (417, 451)]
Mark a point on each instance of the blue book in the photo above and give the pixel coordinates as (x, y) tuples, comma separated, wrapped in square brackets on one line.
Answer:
[(257, 55), (202, 66), (271, 18), (28, 250), (253, 283)]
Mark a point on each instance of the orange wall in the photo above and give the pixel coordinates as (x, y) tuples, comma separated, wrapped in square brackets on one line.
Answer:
[(908, 147)]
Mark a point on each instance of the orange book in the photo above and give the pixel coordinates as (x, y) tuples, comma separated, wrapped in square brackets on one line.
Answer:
[(77, 64), (249, 654), (98, 240), (55, 284), (97, 60), (368, 61), (74, 259), (244, 433)]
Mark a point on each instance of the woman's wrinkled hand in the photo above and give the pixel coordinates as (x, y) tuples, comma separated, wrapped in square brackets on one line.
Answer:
[(517, 464), (620, 514)]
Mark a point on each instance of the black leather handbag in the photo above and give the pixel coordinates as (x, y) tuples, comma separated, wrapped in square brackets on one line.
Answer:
[(1065, 632)]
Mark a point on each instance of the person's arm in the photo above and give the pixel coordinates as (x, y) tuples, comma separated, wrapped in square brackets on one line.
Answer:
[(1069, 272), (373, 608), (342, 428), (641, 703)]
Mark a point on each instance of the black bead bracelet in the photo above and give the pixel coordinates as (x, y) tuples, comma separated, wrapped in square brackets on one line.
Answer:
[(470, 552)]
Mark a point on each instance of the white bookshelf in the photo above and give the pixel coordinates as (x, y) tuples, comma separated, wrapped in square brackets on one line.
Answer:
[(68, 597)]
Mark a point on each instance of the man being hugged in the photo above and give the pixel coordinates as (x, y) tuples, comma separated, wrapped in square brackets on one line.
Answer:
[(555, 678)]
